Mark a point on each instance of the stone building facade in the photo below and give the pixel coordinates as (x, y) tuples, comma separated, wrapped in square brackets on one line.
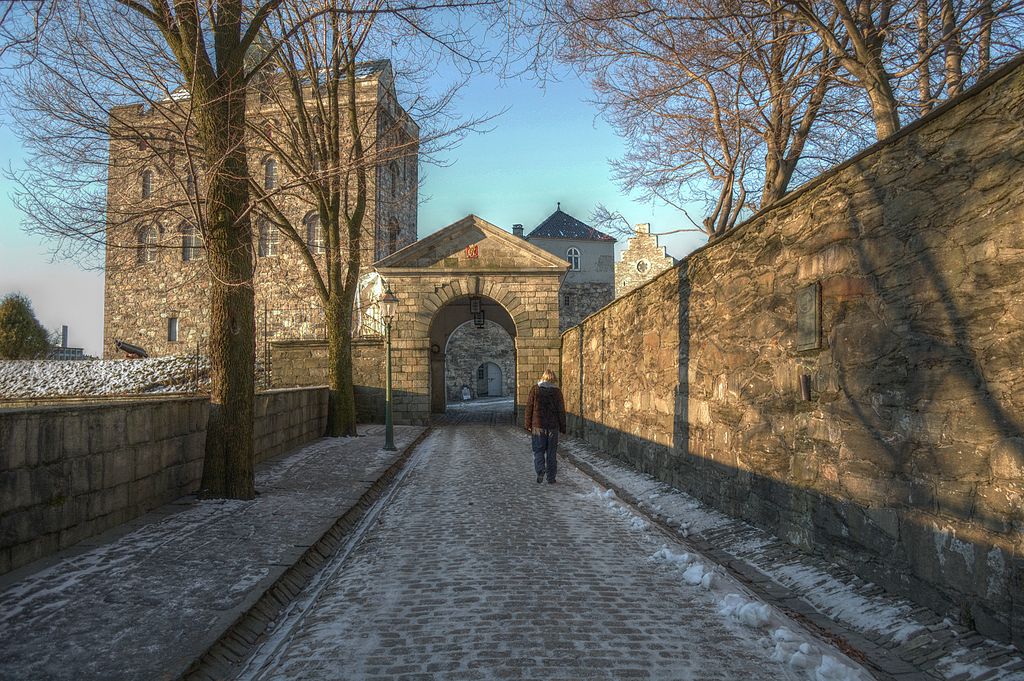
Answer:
[(470, 351), (589, 284), (642, 260), (844, 369), (444, 280), (157, 279)]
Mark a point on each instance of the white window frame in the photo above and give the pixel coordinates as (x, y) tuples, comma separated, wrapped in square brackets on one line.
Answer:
[(314, 234), (191, 243), (147, 244), (270, 239), (572, 255)]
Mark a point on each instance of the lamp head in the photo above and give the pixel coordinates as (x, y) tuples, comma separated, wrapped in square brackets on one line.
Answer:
[(388, 305)]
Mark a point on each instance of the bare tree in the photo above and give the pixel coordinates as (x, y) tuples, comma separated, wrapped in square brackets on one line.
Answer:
[(880, 44), (718, 98), (186, 62), (346, 151)]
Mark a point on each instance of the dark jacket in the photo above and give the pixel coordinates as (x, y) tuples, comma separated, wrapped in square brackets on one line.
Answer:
[(545, 408)]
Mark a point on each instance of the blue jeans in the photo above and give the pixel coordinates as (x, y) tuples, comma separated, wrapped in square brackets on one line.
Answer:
[(545, 443)]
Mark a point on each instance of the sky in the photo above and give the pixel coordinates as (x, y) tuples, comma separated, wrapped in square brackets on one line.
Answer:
[(548, 147)]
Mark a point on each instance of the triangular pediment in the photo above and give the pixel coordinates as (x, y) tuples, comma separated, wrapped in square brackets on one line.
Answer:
[(473, 245)]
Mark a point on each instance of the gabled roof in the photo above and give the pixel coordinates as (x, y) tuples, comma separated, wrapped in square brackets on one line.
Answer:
[(473, 244), (561, 225)]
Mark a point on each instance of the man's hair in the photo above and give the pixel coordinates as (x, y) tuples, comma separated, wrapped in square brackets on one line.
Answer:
[(549, 376)]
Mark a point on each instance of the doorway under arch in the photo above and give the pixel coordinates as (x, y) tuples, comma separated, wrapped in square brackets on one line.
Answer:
[(466, 334)]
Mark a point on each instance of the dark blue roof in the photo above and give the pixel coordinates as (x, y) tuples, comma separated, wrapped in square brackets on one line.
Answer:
[(561, 225)]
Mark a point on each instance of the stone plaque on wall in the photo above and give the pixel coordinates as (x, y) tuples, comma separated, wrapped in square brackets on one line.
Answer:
[(808, 317)]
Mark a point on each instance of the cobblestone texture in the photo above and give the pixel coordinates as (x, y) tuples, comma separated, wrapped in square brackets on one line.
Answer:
[(474, 571), (147, 601)]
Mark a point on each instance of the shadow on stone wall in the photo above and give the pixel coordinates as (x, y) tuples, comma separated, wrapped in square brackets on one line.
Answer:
[(907, 465)]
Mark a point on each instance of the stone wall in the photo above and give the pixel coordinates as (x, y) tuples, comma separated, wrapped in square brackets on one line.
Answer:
[(67, 473), (907, 462), (469, 348), (579, 301), (304, 363)]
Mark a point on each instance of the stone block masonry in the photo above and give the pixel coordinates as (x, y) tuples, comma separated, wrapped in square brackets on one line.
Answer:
[(906, 464), (67, 473), (304, 363)]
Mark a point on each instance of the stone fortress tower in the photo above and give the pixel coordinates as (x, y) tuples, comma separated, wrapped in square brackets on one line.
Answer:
[(642, 260), (156, 281)]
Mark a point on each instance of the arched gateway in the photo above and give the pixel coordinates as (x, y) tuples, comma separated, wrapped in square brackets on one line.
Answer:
[(468, 270)]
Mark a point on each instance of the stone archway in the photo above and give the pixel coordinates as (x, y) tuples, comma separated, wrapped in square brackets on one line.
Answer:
[(458, 316), (469, 259)]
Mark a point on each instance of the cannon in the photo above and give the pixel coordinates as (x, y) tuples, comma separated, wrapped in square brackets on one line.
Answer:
[(129, 349)]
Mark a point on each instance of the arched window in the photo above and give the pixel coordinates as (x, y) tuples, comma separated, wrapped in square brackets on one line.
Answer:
[(147, 183), (393, 169), (269, 238), (393, 234), (573, 256), (269, 173), (191, 243), (314, 233), (147, 244)]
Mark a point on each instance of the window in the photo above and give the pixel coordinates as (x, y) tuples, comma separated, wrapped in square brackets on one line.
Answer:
[(393, 168), (269, 173), (393, 232), (573, 256), (314, 233), (191, 243), (190, 182), (147, 244), (269, 238), (147, 183), (172, 329)]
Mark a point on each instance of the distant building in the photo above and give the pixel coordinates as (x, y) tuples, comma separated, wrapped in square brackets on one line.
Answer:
[(642, 260), (590, 283), (62, 351)]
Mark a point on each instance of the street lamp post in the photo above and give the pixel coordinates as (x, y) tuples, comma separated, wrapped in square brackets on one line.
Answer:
[(388, 307)]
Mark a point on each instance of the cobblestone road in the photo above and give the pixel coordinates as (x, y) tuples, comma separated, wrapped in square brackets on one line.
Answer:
[(475, 571)]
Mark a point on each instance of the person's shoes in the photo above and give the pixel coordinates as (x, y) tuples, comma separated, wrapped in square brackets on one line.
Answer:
[(540, 477), (550, 482)]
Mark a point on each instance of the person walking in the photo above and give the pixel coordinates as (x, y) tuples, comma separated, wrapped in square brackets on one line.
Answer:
[(545, 419)]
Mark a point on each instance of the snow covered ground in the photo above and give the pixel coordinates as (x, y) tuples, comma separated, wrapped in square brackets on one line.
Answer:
[(95, 377), (892, 622)]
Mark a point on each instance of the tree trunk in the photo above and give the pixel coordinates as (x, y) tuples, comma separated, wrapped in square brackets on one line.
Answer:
[(228, 469), (985, 39), (951, 45), (341, 409), (883, 108), (924, 74)]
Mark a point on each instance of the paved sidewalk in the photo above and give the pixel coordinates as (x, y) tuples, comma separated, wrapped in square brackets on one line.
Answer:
[(474, 571), (898, 639), (144, 601)]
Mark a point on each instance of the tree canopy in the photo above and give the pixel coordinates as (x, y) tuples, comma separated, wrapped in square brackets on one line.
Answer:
[(21, 334)]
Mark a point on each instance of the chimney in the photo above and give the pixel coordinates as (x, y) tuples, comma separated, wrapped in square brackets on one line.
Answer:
[(517, 230), (643, 228), (64, 336)]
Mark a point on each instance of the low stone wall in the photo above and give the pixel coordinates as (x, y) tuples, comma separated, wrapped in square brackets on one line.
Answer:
[(907, 462), (304, 363), (70, 472)]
